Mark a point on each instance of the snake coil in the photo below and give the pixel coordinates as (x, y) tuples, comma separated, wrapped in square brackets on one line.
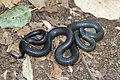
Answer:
[(74, 33)]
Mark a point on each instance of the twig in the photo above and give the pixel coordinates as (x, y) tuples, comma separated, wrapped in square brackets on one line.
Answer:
[(25, 12), (88, 55), (86, 66)]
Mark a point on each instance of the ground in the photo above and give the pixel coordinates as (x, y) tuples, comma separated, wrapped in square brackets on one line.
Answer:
[(103, 62)]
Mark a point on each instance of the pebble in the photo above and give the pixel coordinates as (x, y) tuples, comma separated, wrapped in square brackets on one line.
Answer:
[(118, 61), (103, 71)]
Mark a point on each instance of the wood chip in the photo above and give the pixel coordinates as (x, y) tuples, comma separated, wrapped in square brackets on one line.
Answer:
[(47, 24)]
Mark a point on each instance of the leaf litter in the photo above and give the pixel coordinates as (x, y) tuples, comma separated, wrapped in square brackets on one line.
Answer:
[(4, 75), (38, 3), (24, 31), (9, 3), (12, 47), (6, 38)]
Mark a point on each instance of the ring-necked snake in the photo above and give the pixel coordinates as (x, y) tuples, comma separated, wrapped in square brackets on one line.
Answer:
[(74, 33)]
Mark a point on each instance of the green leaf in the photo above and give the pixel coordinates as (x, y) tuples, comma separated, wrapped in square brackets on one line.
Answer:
[(15, 17), (27, 69)]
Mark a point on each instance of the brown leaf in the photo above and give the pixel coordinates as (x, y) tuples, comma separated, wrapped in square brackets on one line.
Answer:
[(38, 3), (4, 75), (51, 6), (36, 25), (13, 47), (6, 38), (47, 24), (25, 30), (108, 9), (9, 3), (64, 3), (54, 20), (15, 1), (97, 74), (0, 3), (1, 34), (57, 71)]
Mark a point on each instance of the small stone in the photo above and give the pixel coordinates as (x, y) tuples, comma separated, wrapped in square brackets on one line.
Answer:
[(118, 69), (103, 71), (118, 28), (118, 61), (81, 69)]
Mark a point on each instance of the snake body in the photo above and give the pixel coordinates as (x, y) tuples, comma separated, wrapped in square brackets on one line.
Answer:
[(87, 36), (74, 32), (47, 40)]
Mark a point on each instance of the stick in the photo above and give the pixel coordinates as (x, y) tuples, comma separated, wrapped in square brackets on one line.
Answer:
[(88, 69)]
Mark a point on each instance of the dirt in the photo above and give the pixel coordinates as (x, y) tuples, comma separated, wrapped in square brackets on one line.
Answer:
[(105, 58)]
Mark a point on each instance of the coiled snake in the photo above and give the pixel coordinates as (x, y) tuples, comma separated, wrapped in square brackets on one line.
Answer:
[(73, 32)]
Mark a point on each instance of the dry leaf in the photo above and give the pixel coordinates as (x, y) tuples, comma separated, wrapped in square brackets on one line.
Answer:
[(13, 47), (27, 69), (57, 71), (87, 68), (6, 38), (1, 34), (15, 1), (54, 20), (9, 3), (74, 12), (97, 74), (36, 25), (38, 3), (4, 75), (1, 3), (64, 3), (25, 30), (70, 69), (51, 6), (109, 9), (47, 24)]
